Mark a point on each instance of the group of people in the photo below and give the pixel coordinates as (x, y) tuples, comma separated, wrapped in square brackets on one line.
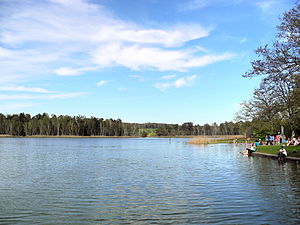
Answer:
[(281, 154), (293, 141), (273, 140), (278, 139)]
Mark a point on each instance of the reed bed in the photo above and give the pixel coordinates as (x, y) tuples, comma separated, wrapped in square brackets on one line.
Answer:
[(214, 139)]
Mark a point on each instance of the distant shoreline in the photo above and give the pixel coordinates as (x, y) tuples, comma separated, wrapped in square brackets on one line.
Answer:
[(220, 138), (74, 136)]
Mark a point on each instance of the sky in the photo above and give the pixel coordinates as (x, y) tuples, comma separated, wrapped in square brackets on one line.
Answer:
[(166, 61)]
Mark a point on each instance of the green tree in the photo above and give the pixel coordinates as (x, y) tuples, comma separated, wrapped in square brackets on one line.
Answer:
[(276, 98)]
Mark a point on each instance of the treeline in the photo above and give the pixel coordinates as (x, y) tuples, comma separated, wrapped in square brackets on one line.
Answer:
[(42, 124), (276, 102)]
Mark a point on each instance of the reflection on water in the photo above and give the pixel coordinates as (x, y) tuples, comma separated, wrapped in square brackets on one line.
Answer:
[(142, 181)]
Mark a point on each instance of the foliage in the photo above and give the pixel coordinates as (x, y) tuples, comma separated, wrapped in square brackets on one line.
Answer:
[(42, 124), (276, 101)]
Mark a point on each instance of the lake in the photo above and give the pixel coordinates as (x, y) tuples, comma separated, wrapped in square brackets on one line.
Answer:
[(142, 181)]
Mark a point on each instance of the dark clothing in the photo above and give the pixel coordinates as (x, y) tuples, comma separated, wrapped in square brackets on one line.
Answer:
[(250, 151)]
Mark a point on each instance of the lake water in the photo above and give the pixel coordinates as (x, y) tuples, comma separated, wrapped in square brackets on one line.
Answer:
[(142, 181)]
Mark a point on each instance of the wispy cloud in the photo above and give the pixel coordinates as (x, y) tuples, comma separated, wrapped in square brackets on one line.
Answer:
[(137, 57), (69, 38), (168, 77), (194, 5), (265, 5), (191, 5), (15, 106), (102, 83), (181, 82), (169, 37), (67, 71), (19, 64), (121, 89), (41, 97), (36, 93), (243, 40), (25, 89), (137, 77)]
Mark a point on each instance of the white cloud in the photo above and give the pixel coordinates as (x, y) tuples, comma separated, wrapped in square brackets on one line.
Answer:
[(21, 64), (121, 89), (137, 77), (265, 5), (42, 94), (76, 36), (81, 21), (206, 60), (102, 83), (65, 71), (191, 5), (136, 57), (243, 40), (181, 82), (41, 97), (184, 81), (36, 93), (15, 106), (168, 77), (194, 5), (25, 89), (170, 37)]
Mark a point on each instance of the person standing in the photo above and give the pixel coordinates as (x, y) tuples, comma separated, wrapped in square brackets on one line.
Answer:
[(277, 138), (267, 139), (271, 139)]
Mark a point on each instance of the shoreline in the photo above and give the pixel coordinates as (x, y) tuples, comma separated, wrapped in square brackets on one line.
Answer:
[(288, 158), (257, 153)]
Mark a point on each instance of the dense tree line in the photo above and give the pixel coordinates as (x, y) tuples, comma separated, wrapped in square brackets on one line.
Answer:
[(42, 124), (276, 102)]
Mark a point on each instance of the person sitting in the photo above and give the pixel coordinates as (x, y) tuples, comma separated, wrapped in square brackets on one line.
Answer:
[(293, 140), (282, 154), (289, 142), (251, 149), (284, 139), (257, 142)]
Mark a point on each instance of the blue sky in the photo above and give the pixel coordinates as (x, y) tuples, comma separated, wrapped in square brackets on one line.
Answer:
[(170, 61)]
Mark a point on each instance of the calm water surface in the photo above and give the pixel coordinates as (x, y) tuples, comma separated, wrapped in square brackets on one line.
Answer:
[(142, 181)]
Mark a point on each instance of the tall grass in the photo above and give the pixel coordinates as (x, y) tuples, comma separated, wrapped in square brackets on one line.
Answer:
[(214, 139)]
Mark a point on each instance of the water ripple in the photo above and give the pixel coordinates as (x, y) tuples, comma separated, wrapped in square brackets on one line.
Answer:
[(142, 181)]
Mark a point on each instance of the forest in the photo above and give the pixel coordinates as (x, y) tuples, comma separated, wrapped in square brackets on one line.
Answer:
[(42, 124)]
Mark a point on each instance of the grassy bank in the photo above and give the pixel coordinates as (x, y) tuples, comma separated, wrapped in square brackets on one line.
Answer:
[(293, 151)]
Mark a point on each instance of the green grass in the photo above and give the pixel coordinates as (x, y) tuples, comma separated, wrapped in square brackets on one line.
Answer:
[(293, 151)]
